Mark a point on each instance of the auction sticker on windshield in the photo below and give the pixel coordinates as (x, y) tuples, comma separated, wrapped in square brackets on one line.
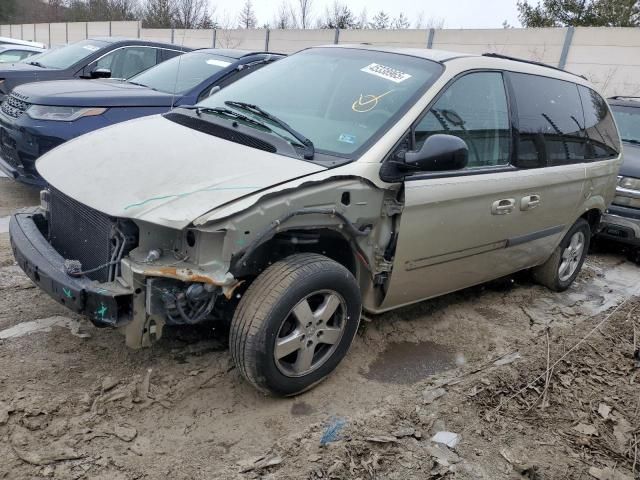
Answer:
[(387, 73)]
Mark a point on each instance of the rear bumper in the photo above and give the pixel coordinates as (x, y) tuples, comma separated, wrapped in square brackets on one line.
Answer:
[(104, 304), (621, 224)]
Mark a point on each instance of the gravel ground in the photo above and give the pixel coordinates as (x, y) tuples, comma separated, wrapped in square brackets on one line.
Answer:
[(76, 403)]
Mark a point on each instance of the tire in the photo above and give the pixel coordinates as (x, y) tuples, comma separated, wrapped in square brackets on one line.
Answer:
[(562, 268), (275, 313)]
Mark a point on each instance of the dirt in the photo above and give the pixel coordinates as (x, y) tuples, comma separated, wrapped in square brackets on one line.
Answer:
[(76, 403)]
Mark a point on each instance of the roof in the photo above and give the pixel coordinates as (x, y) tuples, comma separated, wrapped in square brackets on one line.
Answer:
[(235, 53), (427, 53), (472, 60), (15, 41), (140, 41), (621, 100), (12, 46)]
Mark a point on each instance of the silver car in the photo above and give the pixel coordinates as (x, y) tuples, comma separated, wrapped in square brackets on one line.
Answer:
[(339, 179)]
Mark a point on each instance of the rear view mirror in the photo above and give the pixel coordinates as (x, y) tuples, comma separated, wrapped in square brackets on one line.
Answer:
[(213, 90), (439, 152), (101, 73)]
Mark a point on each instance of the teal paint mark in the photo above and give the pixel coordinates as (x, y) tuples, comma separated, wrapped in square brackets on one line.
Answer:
[(102, 311), (186, 194), (67, 292)]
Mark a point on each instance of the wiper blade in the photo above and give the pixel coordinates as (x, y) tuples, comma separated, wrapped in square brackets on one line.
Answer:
[(227, 112), (630, 140), (309, 149)]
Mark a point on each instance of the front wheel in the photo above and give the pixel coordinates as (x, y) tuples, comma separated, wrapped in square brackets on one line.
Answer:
[(295, 323), (562, 268)]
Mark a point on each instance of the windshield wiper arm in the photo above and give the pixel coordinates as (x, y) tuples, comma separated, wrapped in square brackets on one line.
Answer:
[(225, 111), (309, 149), (631, 140)]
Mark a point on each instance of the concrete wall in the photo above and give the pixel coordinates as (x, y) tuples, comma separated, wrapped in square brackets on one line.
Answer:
[(609, 57)]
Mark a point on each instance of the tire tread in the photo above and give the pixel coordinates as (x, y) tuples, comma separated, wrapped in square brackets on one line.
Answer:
[(259, 299)]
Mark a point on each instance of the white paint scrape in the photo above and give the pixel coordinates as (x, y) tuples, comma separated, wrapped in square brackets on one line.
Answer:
[(42, 325)]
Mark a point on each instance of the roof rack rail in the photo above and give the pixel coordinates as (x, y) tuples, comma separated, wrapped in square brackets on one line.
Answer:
[(532, 62), (620, 97)]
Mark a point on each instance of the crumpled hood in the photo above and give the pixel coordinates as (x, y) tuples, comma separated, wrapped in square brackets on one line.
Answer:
[(158, 171), (93, 93)]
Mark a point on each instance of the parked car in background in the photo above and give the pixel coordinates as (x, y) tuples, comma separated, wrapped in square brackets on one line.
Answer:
[(622, 221), (16, 53), (103, 57), (24, 43), (336, 179), (48, 114)]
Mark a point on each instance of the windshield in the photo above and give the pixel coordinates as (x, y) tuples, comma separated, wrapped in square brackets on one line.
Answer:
[(7, 56), (338, 98), (64, 57), (180, 74), (628, 120)]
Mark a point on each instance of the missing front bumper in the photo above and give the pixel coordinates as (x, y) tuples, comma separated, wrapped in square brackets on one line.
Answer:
[(104, 304)]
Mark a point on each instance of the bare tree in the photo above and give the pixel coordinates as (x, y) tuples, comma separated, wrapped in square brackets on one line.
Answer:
[(338, 15), (303, 16), (431, 22), (363, 19), (247, 17), (225, 25), (381, 21), (191, 14), (124, 10), (158, 13), (401, 22), (283, 17)]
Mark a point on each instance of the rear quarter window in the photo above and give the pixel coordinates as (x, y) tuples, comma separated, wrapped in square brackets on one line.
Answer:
[(550, 122), (560, 123), (599, 125)]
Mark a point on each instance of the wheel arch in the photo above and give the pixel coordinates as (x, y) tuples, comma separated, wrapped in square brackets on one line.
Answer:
[(593, 217), (326, 241)]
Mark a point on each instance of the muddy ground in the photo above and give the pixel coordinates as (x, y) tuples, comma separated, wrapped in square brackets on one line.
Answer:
[(535, 384)]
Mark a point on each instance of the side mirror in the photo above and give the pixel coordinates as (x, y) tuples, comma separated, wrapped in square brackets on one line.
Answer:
[(101, 73), (439, 153)]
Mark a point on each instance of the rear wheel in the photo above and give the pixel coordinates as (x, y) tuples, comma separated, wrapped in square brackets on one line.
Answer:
[(562, 268), (295, 323)]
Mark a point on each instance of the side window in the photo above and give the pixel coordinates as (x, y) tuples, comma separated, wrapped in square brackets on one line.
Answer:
[(550, 122), (475, 109), (230, 78), (14, 55), (599, 126), (167, 54), (129, 61)]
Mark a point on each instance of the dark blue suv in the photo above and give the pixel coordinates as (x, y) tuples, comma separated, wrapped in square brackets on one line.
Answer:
[(102, 57), (37, 117)]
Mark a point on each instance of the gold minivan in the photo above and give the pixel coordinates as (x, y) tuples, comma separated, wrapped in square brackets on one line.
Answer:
[(339, 179)]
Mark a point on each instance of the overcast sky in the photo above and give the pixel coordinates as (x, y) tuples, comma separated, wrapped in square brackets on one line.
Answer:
[(456, 13)]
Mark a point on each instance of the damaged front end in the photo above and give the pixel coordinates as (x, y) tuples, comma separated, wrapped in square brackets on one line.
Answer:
[(140, 276), (117, 272)]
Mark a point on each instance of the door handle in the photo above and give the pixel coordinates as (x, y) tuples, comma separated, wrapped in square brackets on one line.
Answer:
[(530, 202), (503, 207)]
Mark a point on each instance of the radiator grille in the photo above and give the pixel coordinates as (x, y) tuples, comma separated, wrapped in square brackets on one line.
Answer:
[(14, 106), (78, 232)]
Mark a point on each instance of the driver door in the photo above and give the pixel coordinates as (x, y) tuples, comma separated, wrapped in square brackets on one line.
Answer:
[(456, 226)]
